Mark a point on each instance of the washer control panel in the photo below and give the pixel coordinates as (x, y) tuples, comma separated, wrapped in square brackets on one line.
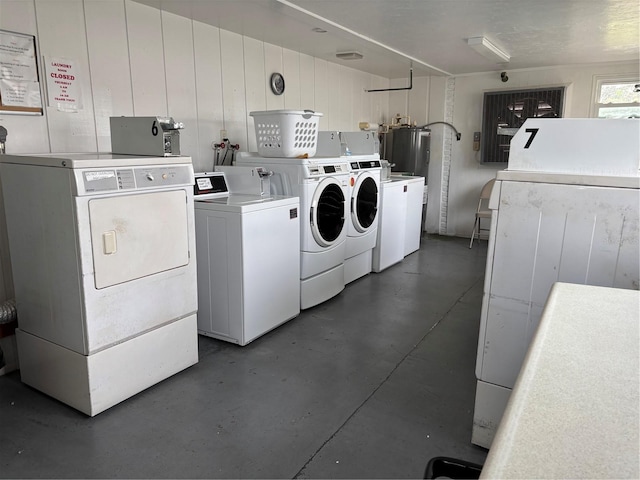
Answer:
[(321, 169)]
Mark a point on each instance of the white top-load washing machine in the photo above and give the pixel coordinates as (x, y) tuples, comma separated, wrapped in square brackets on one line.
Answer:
[(322, 186), (416, 195), (103, 255), (364, 203), (567, 209), (390, 241), (248, 259)]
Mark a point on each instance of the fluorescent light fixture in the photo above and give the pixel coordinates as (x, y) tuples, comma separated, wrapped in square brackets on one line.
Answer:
[(488, 50), (349, 55)]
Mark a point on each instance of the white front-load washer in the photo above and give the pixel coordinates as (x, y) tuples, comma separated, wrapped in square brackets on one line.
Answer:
[(248, 261), (364, 203), (322, 186)]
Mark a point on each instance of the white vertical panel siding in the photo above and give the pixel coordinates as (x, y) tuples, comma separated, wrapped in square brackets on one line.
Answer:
[(146, 58), (272, 64), (418, 100), (208, 70), (291, 72), (69, 132), (255, 86), (333, 96), (321, 91), (109, 65), (398, 99), (379, 101), (27, 134), (307, 82), (233, 89), (346, 104), (181, 83), (361, 106)]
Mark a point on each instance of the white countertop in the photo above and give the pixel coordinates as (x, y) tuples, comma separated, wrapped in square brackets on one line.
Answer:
[(573, 412)]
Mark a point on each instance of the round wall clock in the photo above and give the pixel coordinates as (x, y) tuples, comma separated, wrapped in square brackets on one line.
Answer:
[(277, 83)]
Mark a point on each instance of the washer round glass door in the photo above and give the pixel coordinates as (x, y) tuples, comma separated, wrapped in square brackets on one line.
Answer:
[(364, 203), (327, 212)]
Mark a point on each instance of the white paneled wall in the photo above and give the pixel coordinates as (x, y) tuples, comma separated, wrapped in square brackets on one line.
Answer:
[(234, 105), (137, 60), (210, 118), (291, 72), (146, 59), (110, 71), (133, 59), (62, 35), (179, 64), (255, 88)]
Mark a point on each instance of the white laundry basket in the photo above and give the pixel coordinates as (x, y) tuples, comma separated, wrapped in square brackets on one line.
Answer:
[(286, 133)]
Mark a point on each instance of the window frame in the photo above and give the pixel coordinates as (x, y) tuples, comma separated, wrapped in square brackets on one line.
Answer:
[(606, 79)]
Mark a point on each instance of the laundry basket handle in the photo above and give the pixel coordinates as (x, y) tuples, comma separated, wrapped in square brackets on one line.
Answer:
[(308, 114)]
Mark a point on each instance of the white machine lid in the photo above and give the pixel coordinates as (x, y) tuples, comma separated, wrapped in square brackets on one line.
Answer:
[(408, 178), (569, 179), (242, 203), (394, 182), (253, 158), (91, 160)]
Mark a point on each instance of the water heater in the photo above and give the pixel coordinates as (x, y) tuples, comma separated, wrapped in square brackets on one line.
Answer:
[(408, 148)]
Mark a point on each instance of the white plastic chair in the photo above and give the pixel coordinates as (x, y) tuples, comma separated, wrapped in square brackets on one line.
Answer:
[(482, 211)]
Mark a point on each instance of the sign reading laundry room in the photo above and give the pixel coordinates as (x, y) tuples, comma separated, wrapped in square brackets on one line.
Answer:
[(63, 87)]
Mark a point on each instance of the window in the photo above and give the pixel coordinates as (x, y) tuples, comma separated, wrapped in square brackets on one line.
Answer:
[(504, 113), (617, 97)]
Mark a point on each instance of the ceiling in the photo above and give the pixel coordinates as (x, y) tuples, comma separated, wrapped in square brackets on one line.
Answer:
[(430, 36)]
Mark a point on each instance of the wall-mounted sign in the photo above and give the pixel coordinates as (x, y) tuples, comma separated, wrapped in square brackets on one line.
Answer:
[(19, 80), (63, 86)]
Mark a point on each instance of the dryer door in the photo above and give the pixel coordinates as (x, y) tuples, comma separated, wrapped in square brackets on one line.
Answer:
[(364, 202), (134, 236), (327, 212)]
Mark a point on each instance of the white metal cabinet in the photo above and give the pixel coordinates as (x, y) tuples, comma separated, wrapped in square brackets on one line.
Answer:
[(545, 230), (547, 233), (566, 210), (390, 245), (413, 228)]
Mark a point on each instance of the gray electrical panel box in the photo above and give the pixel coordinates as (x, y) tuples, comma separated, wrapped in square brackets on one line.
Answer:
[(157, 136)]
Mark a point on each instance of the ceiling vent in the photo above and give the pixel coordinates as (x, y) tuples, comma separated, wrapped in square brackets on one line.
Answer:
[(349, 55)]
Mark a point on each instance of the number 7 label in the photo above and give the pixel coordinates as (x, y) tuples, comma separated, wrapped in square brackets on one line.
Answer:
[(533, 132)]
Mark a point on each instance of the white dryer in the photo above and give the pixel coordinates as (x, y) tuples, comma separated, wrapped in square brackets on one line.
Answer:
[(248, 261), (364, 203), (103, 254), (322, 186)]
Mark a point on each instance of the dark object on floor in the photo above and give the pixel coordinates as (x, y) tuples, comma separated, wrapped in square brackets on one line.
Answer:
[(445, 467)]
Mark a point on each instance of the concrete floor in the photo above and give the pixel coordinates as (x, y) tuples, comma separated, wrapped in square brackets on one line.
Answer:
[(370, 384)]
